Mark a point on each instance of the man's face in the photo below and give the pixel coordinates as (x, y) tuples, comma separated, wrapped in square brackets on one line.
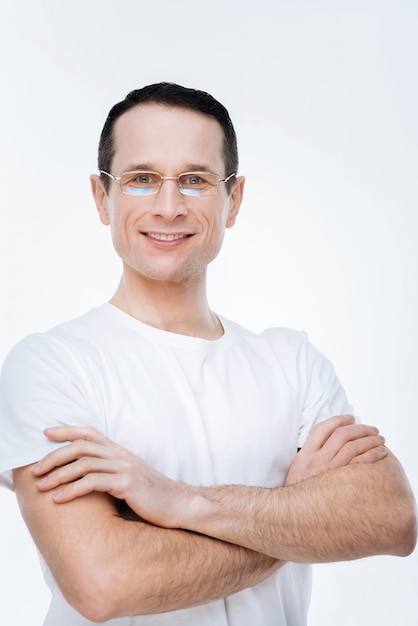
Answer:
[(171, 141)]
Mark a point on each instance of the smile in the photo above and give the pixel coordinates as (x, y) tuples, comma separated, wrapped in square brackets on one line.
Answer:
[(161, 237)]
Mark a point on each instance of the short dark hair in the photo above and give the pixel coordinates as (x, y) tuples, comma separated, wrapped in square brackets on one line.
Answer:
[(173, 95)]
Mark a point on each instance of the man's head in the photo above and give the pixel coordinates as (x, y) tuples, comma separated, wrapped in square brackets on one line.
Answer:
[(172, 95), (167, 232)]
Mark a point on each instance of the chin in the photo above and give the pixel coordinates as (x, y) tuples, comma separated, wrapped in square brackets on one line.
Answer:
[(179, 276)]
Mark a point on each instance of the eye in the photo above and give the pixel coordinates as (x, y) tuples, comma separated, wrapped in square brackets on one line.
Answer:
[(140, 182), (140, 179), (143, 178), (192, 179), (199, 183)]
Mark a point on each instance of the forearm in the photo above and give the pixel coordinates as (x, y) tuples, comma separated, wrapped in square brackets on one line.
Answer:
[(107, 566), (174, 569), (347, 513), (341, 501)]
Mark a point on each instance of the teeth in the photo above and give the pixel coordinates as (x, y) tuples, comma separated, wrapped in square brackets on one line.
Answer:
[(165, 237)]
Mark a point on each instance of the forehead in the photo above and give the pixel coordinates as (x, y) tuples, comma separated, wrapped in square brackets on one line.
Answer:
[(167, 138)]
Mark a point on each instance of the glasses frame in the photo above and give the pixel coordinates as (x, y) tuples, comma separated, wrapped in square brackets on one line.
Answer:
[(118, 179)]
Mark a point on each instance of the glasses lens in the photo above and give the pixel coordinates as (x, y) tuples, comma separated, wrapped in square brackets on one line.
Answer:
[(199, 183), (140, 183)]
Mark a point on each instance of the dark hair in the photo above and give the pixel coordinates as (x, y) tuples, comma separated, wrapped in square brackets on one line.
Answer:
[(173, 95)]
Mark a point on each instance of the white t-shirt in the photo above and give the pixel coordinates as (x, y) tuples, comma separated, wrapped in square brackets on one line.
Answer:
[(230, 411)]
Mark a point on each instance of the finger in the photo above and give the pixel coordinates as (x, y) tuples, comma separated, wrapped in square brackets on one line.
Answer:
[(68, 454), (356, 448), (345, 435), (88, 484), (74, 471), (371, 456), (322, 431), (71, 433)]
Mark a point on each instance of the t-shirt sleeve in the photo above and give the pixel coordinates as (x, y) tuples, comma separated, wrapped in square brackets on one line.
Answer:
[(40, 386), (322, 393)]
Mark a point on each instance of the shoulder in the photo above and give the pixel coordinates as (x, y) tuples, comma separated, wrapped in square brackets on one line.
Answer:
[(288, 350), (46, 380), (274, 338), (59, 339), (59, 353)]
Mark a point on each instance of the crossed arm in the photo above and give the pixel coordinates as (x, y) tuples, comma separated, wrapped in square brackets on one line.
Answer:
[(107, 566), (345, 497)]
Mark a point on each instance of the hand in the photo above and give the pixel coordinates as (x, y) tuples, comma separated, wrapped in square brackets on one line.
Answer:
[(334, 443), (92, 462)]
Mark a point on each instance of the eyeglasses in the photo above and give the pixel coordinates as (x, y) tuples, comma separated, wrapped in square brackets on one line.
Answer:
[(141, 183)]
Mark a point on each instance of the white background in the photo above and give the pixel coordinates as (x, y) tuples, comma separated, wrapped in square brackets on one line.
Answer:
[(324, 99)]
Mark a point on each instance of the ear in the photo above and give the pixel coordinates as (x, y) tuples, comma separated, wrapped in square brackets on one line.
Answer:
[(100, 198), (235, 200)]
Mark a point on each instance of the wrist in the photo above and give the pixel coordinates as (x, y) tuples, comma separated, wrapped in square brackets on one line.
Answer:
[(198, 509)]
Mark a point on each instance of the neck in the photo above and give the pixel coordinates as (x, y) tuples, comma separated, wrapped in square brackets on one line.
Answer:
[(180, 308)]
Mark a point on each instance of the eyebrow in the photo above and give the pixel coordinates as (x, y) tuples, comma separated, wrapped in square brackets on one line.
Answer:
[(197, 167), (188, 167)]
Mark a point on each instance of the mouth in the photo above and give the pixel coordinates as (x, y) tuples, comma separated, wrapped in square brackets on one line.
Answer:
[(166, 237)]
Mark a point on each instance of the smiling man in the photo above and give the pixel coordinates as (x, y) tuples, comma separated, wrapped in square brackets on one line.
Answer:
[(172, 466), (167, 229)]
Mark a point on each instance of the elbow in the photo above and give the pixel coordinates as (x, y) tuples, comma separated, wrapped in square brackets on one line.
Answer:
[(398, 512), (96, 612), (403, 535), (93, 597), (103, 595), (408, 530), (93, 614)]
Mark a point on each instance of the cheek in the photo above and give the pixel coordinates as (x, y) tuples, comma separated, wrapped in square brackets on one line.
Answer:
[(121, 220), (120, 230), (216, 233)]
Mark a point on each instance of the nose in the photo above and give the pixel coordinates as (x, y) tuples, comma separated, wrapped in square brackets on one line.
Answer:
[(169, 203)]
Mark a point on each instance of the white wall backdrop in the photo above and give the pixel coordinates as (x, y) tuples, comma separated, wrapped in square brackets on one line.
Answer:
[(324, 99)]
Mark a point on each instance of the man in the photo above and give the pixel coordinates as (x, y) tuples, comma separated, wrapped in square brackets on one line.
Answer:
[(153, 444)]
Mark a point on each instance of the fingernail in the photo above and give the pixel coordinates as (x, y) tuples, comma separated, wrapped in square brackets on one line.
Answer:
[(41, 482)]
